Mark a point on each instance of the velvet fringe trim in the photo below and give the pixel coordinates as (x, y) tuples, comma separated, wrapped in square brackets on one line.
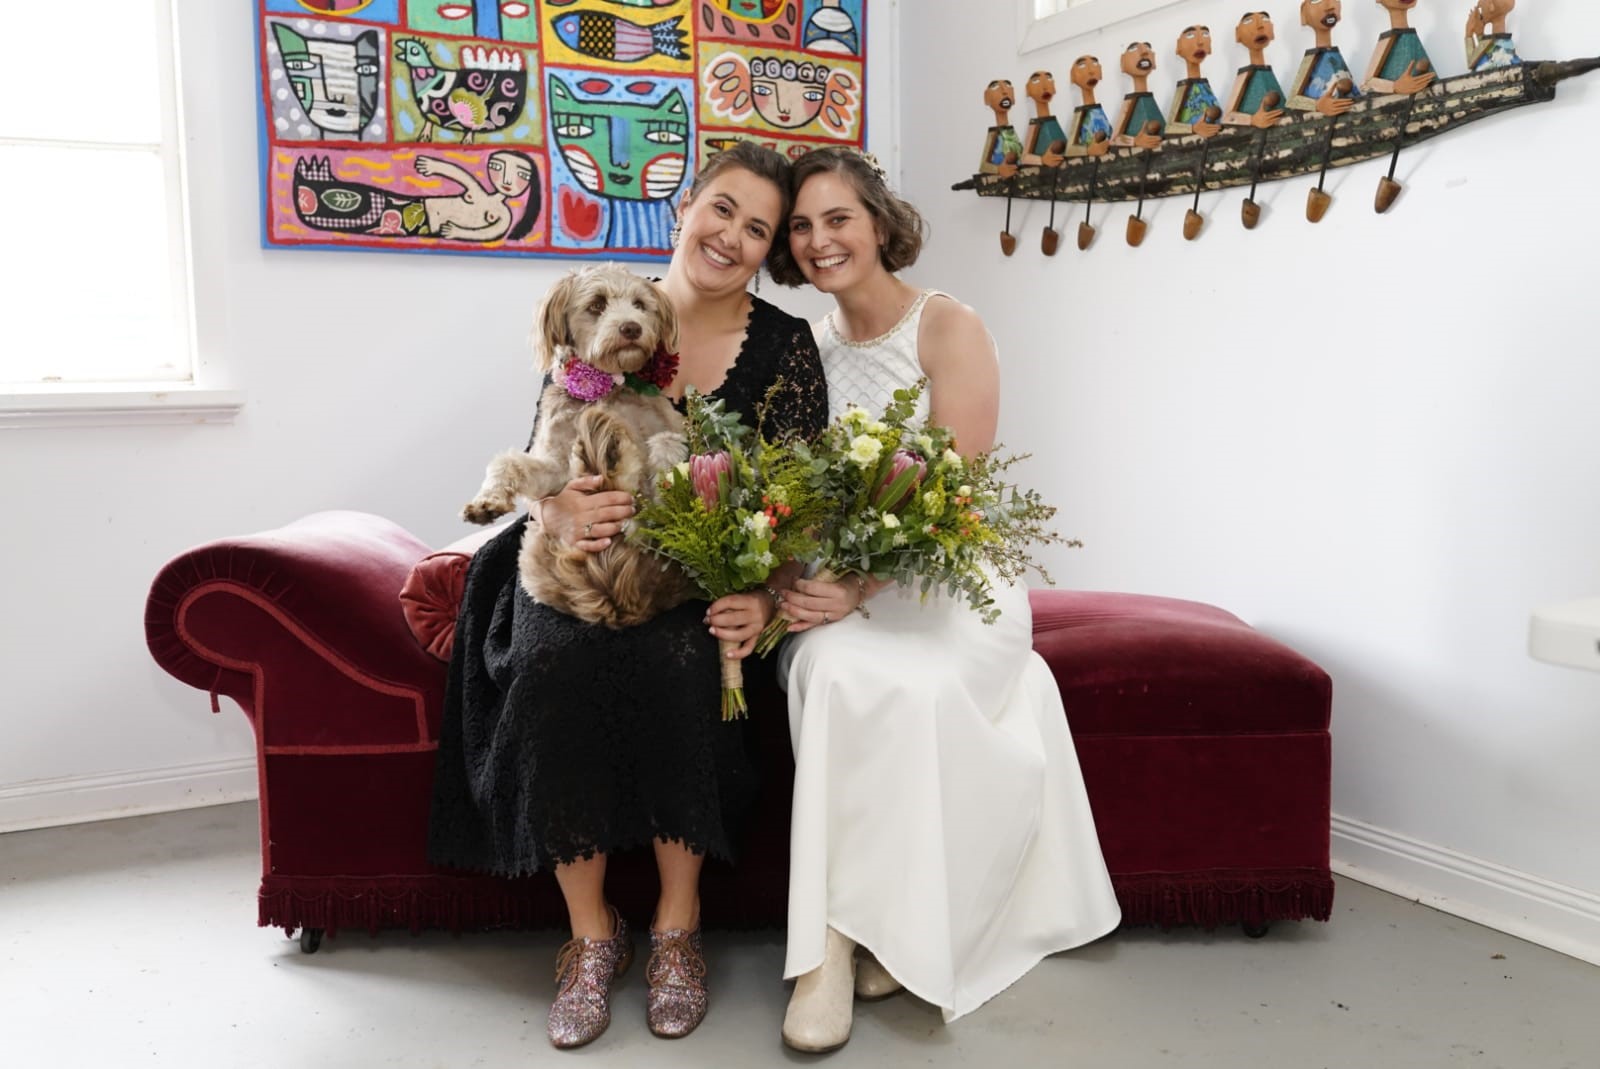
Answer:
[(414, 904), (432, 903), (1209, 899)]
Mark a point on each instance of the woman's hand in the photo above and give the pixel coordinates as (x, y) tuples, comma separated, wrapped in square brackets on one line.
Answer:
[(740, 618), (582, 517), (813, 602)]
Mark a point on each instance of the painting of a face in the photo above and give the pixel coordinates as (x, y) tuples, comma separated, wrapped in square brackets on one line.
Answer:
[(510, 173), (787, 94), (502, 20), (336, 82), (621, 150), (751, 10)]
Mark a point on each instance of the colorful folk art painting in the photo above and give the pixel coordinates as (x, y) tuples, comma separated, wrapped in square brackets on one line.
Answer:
[(565, 128)]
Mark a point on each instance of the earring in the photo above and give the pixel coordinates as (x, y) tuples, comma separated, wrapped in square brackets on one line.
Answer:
[(676, 233), (758, 280)]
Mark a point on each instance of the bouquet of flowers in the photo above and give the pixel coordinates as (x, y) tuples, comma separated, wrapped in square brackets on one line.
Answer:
[(735, 510), (904, 505)]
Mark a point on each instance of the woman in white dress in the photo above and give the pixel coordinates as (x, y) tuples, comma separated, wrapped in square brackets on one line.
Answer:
[(941, 838)]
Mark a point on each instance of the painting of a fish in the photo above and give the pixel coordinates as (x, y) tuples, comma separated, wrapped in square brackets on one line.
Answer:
[(622, 3), (606, 36)]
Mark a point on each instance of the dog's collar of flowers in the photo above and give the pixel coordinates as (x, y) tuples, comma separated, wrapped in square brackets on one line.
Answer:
[(587, 383)]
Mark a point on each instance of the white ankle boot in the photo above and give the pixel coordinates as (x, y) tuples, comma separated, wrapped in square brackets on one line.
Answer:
[(872, 979), (818, 1019)]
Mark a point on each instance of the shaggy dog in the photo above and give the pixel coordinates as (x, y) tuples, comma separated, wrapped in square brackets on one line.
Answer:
[(594, 331)]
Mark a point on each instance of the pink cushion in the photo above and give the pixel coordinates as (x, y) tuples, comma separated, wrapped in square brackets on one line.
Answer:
[(431, 596)]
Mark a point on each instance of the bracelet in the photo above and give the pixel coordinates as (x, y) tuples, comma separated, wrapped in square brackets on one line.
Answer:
[(861, 591), (776, 596)]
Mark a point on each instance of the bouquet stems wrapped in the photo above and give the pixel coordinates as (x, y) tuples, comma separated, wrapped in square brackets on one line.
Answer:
[(905, 506), (729, 515)]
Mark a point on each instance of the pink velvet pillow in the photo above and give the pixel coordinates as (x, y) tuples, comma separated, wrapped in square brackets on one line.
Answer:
[(431, 596)]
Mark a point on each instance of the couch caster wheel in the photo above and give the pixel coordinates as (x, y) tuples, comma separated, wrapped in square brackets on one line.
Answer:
[(1256, 931), (310, 940)]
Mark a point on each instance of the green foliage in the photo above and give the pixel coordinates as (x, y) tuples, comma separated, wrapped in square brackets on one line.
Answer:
[(764, 506)]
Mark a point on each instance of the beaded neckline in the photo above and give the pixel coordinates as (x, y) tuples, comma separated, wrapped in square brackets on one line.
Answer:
[(916, 306)]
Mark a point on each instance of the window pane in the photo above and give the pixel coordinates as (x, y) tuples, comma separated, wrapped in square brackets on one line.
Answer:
[(84, 71), (89, 280)]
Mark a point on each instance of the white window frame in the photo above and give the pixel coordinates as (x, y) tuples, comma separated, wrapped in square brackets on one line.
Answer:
[(183, 399), (1081, 17)]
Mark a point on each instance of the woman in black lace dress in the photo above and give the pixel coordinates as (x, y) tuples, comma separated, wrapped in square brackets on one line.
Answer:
[(562, 741)]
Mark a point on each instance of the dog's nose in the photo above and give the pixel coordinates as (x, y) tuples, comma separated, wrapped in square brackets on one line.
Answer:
[(631, 331)]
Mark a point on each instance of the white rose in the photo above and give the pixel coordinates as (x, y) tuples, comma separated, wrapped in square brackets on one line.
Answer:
[(877, 426), (952, 458), (890, 520), (964, 491), (865, 450)]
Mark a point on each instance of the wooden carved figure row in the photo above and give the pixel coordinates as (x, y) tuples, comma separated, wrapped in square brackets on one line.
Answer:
[(1323, 89)]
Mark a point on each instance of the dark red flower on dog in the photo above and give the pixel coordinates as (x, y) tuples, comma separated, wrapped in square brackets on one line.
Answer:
[(661, 370)]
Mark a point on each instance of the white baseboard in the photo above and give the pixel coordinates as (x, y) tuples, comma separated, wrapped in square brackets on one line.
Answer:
[(77, 799), (1565, 919)]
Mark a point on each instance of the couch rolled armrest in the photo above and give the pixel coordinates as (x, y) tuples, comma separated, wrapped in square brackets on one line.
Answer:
[(302, 626)]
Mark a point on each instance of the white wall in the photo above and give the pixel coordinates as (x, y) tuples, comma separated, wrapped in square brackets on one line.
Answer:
[(1388, 483), (1375, 439), (374, 382)]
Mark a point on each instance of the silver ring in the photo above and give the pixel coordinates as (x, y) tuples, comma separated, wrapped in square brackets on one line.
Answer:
[(586, 528)]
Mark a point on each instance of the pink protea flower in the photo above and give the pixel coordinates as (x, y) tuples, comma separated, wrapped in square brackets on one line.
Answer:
[(587, 382), (904, 476), (705, 475)]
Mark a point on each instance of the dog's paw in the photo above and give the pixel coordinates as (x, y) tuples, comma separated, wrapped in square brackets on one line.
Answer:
[(485, 510)]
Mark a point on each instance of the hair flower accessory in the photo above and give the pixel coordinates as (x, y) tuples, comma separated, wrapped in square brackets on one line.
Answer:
[(877, 168)]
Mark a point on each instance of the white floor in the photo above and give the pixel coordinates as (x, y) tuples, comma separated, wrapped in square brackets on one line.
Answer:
[(132, 943)]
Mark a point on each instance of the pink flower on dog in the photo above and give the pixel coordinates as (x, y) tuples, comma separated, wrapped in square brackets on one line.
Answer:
[(586, 382)]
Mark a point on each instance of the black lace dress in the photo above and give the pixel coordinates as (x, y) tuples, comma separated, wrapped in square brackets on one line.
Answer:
[(562, 738)]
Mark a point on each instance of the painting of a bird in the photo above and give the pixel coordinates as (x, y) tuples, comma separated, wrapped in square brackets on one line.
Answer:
[(485, 93)]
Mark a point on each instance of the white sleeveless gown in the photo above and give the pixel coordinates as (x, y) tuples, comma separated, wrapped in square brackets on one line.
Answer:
[(939, 816)]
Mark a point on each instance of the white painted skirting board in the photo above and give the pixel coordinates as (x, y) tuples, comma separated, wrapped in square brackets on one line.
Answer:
[(76, 799), (1565, 919)]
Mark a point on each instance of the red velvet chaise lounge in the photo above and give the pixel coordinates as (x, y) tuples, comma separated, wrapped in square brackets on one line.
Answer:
[(1204, 744)]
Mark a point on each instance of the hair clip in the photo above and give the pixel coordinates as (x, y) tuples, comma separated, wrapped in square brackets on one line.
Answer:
[(877, 168)]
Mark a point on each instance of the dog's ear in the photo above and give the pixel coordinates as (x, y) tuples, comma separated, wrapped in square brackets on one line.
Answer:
[(669, 319), (552, 329)]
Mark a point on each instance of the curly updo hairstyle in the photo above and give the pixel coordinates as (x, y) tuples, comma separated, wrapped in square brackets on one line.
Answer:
[(900, 226)]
